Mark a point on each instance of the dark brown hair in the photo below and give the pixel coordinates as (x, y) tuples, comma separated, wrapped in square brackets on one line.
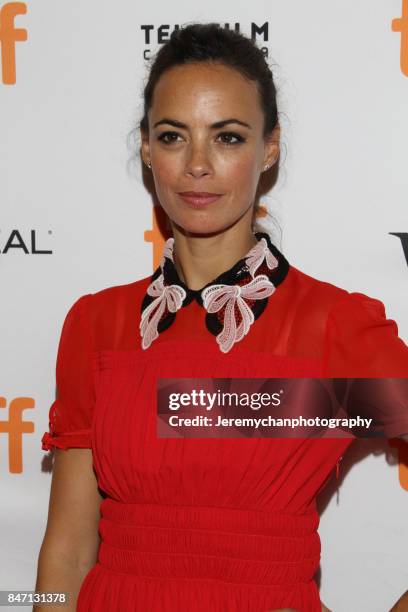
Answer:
[(210, 42)]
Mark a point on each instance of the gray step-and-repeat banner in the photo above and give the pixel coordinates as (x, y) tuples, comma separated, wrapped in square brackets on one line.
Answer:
[(76, 217)]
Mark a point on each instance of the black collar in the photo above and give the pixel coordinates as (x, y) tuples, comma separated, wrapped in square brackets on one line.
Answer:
[(257, 274)]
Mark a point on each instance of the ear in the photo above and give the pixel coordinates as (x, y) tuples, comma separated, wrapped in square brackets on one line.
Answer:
[(145, 147), (272, 147)]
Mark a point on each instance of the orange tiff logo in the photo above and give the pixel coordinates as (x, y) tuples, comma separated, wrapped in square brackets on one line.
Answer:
[(9, 35), (14, 427), (400, 24)]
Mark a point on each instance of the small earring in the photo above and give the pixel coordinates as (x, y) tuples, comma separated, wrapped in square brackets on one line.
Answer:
[(266, 167), (148, 164)]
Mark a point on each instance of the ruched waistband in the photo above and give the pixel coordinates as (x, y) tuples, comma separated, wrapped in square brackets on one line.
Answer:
[(205, 542)]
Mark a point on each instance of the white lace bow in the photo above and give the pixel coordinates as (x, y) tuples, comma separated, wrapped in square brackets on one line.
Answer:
[(217, 296), (171, 296)]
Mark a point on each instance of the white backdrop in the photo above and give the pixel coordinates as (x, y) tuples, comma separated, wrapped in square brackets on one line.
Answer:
[(64, 180)]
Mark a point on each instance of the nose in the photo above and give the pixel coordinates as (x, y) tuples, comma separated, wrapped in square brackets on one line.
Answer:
[(198, 163)]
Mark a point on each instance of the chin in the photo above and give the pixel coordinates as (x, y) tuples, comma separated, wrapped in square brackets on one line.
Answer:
[(203, 222)]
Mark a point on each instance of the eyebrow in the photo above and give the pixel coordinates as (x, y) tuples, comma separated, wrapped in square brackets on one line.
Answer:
[(217, 125)]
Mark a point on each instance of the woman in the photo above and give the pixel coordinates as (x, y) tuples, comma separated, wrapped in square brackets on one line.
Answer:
[(201, 524)]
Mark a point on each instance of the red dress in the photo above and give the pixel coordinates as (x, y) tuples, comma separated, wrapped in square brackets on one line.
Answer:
[(209, 524)]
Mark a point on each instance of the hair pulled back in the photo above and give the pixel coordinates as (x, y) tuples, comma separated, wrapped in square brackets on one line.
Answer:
[(210, 42)]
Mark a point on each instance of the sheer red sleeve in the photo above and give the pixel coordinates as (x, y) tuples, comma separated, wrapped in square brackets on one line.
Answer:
[(362, 343), (70, 415)]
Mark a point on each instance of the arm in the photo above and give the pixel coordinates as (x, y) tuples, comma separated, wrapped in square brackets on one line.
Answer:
[(71, 541), (362, 344), (402, 604)]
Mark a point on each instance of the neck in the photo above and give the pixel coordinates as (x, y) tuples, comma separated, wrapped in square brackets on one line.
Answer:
[(200, 259)]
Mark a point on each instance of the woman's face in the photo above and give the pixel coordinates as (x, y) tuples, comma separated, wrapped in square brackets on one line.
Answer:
[(189, 152)]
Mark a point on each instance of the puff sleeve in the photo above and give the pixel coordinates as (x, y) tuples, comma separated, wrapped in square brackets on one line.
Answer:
[(70, 415), (362, 343)]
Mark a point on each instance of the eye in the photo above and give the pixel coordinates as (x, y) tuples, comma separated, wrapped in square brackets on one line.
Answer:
[(168, 137), (227, 136)]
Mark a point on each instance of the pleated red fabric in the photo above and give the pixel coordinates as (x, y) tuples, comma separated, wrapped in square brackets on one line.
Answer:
[(208, 524)]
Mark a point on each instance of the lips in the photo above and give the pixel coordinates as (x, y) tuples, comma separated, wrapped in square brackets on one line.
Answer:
[(199, 198), (200, 194)]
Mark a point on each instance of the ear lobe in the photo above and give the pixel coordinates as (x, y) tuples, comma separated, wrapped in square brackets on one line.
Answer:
[(270, 161), (145, 149), (272, 147)]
